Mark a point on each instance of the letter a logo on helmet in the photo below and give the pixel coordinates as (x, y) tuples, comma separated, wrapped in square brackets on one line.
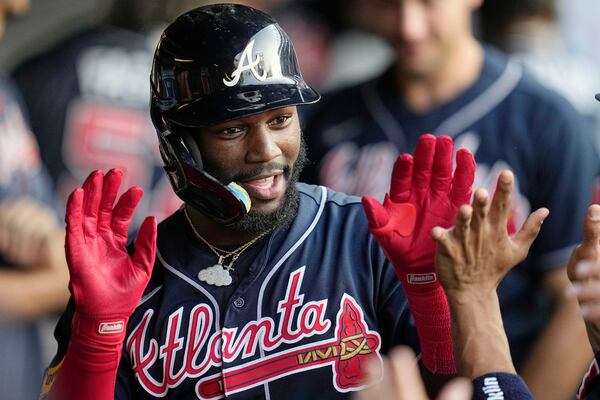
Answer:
[(246, 64)]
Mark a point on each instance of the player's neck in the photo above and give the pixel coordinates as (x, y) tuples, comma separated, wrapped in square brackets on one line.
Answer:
[(454, 75), (217, 234)]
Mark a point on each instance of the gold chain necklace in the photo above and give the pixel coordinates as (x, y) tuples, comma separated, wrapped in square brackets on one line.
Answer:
[(219, 274)]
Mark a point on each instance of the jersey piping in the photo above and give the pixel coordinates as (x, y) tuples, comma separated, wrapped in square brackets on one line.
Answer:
[(301, 240), (469, 114), (484, 103), (195, 285), (149, 295)]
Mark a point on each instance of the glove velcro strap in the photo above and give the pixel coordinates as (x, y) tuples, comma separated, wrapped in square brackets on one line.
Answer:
[(106, 330), (431, 313)]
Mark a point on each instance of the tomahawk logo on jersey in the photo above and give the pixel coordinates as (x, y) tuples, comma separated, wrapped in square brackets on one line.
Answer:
[(317, 299)]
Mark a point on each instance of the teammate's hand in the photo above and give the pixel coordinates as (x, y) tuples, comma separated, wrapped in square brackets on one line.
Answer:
[(402, 380), (106, 282), (423, 194), (583, 270), (477, 252), (30, 235)]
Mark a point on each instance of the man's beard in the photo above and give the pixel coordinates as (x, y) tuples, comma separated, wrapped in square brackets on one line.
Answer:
[(257, 222)]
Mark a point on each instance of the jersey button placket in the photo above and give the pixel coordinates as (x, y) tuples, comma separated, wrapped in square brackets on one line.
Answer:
[(239, 302)]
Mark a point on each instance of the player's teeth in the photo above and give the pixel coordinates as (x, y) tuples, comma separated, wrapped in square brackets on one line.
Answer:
[(264, 182)]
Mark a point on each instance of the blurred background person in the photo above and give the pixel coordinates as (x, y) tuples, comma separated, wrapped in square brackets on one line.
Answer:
[(33, 273), (87, 98), (530, 31), (444, 81)]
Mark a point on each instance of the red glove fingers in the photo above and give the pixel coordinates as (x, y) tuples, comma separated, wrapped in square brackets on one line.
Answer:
[(123, 213), (441, 178), (110, 189), (463, 178), (402, 176), (422, 168)]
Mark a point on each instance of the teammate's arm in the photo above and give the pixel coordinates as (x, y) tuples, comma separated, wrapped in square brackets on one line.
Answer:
[(584, 272), (106, 284), (471, 260), (563, 338), (35, 281)]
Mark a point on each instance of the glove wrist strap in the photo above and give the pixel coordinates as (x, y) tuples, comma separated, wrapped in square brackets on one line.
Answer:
[(107, 330)]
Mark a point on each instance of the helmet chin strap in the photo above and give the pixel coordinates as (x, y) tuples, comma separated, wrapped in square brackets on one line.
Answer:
[(238, 191)]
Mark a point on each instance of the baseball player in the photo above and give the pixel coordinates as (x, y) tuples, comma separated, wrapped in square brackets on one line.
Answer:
[(444, 82), (259, 286)]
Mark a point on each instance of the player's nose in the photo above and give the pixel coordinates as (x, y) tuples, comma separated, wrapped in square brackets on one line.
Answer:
[(262, 145)]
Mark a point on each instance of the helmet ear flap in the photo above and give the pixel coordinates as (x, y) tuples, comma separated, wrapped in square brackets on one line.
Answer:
[(192, 148)]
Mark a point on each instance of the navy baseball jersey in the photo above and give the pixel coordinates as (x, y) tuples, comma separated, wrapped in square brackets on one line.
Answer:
[(508, 121), (309, 304)]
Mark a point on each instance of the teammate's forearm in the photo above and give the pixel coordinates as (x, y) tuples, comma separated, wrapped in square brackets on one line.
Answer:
[(31, 293), (564, 340), (480, 343)]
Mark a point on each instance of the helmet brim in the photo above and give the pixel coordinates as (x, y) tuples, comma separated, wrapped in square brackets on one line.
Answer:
[(229, 105)]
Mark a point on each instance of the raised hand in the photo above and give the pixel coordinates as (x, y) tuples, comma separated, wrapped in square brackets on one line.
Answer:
[(471, 260), (477, 252), (423, 194), (104, 279)]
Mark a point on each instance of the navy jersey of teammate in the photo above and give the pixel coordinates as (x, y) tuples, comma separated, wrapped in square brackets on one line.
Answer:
[(87, 99), (299, 311), (508, 121)]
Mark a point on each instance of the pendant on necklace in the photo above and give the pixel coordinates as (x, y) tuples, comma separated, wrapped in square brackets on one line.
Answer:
[(217, 275)]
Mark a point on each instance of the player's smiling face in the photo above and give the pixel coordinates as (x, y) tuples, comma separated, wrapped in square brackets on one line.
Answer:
[(422, 32), (258, 152)]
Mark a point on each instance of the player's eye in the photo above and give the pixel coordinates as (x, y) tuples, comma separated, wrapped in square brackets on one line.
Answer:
[(231, 132), (280, 121)]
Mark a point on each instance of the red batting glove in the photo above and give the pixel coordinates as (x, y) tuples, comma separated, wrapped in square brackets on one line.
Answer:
[(106, 283), (423, 194)]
